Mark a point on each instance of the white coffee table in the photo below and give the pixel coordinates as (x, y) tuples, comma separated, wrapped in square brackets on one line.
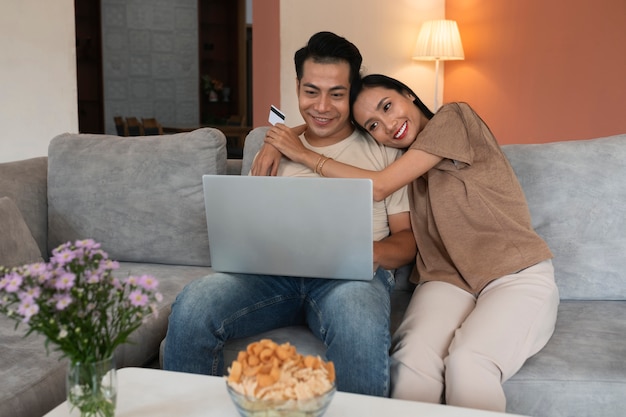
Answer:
[(155, 393)]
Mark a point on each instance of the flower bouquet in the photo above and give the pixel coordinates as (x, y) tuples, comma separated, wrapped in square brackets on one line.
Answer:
[(211, 87), (84, 312)]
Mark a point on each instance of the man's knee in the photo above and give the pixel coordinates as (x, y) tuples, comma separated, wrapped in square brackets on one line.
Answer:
[(194, 304)]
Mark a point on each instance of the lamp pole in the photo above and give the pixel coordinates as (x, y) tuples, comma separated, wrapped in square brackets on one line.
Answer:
[(436, 85)]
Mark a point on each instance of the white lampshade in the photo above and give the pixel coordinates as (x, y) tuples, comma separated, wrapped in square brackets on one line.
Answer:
[(439, 40)]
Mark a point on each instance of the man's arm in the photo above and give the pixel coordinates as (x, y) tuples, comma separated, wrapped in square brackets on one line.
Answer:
[(399, 248)]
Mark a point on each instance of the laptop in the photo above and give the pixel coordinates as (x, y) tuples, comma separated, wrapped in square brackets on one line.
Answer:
[(290, 226)]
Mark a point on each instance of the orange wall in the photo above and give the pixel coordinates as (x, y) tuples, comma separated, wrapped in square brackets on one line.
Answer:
[(540, 71), (265, 59)]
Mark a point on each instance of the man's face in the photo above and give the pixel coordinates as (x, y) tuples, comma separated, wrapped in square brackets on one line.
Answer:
[(323, 99)]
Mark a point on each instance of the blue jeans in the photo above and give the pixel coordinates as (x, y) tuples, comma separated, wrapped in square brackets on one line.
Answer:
[(350, 317)]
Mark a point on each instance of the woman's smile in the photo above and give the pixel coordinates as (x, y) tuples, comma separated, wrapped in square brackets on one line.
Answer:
[(401, 133)]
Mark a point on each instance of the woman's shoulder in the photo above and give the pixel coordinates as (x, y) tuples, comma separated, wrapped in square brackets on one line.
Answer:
[(459, 110), (456, 106)]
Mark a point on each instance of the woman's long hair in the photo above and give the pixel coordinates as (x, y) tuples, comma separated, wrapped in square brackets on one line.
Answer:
[(379, 80)]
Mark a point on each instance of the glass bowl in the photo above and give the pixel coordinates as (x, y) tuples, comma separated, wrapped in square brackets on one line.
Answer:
[(254, 407)]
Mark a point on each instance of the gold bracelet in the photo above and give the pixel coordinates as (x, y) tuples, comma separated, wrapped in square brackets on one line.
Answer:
[(322, 165), (317, 164)]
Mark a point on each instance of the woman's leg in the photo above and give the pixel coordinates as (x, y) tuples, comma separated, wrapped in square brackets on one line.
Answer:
[(421, 342), (513, 319)]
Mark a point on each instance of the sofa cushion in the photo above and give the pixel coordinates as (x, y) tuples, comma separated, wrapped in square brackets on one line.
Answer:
[(140, 197), (143, 346), (31, 382), (576, 194), (581, 368), (17, 246), (25, 182)]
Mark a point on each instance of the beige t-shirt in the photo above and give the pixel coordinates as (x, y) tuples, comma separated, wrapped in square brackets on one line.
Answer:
[(363, 152), (470, 217)]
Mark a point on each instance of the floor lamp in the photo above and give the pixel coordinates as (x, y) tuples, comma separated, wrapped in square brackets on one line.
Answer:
[(438, 40)]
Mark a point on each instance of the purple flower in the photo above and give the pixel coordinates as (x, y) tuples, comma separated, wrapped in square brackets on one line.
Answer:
[(66, 245), (79, 256), (65, 281), (148, 282), (76, 297), (93, 277), (62, 301), (27, 309), (138, 298), (45, 276), (4, 281), (87, 244), (31, 293), (110, 265), (64, 256), (116, 284), (12, 283), (36, 269)]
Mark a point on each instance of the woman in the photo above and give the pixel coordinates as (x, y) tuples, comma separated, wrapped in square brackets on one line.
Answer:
[(486, 299)]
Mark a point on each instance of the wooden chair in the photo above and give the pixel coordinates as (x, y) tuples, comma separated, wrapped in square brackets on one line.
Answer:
[(120, 126), (151, 126), (134, 127)]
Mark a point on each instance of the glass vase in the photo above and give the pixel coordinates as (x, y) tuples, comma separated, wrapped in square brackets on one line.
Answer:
[(92, 388)]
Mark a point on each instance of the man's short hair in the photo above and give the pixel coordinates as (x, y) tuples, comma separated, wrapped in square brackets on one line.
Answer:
[(327, 47)]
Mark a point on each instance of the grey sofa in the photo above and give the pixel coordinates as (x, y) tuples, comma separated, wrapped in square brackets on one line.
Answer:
[(142, 199)]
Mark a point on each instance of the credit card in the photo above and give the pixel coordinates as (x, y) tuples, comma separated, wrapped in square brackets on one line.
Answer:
[(276, 116)]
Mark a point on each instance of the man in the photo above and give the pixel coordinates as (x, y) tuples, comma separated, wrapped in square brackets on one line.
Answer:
[(350, 317)]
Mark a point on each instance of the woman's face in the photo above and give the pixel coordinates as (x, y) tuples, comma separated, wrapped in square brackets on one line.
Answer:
[(390, 117)]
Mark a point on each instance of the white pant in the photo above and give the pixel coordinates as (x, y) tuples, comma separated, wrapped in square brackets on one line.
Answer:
[(467, 345)]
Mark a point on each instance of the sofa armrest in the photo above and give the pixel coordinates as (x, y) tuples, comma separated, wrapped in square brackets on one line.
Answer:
[(26, 183), (252, 145)]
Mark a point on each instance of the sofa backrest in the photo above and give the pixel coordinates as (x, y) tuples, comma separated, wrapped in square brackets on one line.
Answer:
[(576, 191), (140, 197)]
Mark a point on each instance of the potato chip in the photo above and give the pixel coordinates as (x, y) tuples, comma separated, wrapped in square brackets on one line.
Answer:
[(268, 370)]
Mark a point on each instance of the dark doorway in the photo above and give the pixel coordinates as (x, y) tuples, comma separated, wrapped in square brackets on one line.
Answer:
[(89, 66), (222, 32), (225, 54)]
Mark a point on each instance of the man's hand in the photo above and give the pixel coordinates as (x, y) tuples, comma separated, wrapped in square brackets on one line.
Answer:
[(267, 160), (399, 248)]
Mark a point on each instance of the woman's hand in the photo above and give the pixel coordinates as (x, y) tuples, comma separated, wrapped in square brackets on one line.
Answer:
[(287, 141), (266, 161)]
